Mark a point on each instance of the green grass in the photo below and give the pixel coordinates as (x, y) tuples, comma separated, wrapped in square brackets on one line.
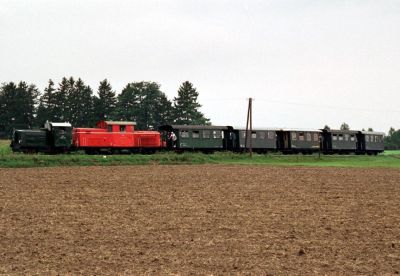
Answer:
[(391, 152), (390, 159)]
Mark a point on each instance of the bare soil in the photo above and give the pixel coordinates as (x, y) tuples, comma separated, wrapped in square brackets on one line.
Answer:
[(199, 220)]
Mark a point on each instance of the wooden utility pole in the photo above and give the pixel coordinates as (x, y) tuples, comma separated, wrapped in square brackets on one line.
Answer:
[(249, 131)]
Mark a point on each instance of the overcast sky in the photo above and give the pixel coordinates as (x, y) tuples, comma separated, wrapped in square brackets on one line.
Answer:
[(306, 63)]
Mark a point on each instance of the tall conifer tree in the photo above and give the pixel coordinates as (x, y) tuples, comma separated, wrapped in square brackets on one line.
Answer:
[(144, 103), (105, 102), (18, 105), (186, 107), (80, 103), (47, 105)]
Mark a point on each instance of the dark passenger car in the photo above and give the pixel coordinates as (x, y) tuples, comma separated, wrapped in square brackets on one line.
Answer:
[(197, 137), (262, 140), (339, 141), (298, 141), (371, 142)]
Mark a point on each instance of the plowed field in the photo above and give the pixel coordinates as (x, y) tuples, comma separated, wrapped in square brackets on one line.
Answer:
[(199, 219)]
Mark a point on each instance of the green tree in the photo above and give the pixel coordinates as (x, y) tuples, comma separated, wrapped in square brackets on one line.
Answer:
[(144, 103), (186, 107), (391, 131), (392, 141), (80, 103), (105, 103), (370, 129), (18, 105), (344, 126), (47, 105), (61, 107)]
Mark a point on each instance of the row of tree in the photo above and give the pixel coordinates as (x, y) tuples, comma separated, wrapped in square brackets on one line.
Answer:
[(392, 141), (23, 106)]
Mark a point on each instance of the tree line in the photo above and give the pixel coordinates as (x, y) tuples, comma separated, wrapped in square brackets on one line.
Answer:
[(22, 105), (392, 140)]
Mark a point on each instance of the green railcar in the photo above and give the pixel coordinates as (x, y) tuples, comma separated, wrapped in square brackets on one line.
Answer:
[(298, 141), (339, 141), (196, 137), (371, 142), (262, 140)]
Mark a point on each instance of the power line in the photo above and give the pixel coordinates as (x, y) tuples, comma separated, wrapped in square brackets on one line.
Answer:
[(319, 106)]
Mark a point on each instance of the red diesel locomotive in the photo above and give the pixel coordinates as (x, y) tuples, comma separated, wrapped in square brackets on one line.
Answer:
[(115, 137)]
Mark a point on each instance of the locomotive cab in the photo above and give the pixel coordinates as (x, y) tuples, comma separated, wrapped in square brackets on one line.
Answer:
[(59, 135)]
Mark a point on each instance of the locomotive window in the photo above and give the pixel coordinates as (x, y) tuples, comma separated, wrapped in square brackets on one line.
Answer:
[(334, 137), (262, 134), (294, 136), (301, 136), (196, 134), (308, 136), (352, 138), (253, 135), (184, 134), (109, 128), (316, 137), (206, 134), (122, 128), (340, 137), (271, 135)]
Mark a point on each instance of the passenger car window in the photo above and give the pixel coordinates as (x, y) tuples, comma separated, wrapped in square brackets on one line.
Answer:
[(308, 136), (271, 135), (122, 128), (206, 134), (216, 134), (109, 128), (366, 138), (316, 138), (352, 138), (253, 135), (196, 134), (184, 134), (301, 136), (334, 137), (262, 134), (294, 136)]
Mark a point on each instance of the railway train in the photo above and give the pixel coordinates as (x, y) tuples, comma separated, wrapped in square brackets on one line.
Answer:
[(113, 137)]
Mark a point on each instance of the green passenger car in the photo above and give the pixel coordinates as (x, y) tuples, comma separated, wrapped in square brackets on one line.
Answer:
[(196, 137), (262, 140), (298, 141), (371, 142), (339, 141)]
